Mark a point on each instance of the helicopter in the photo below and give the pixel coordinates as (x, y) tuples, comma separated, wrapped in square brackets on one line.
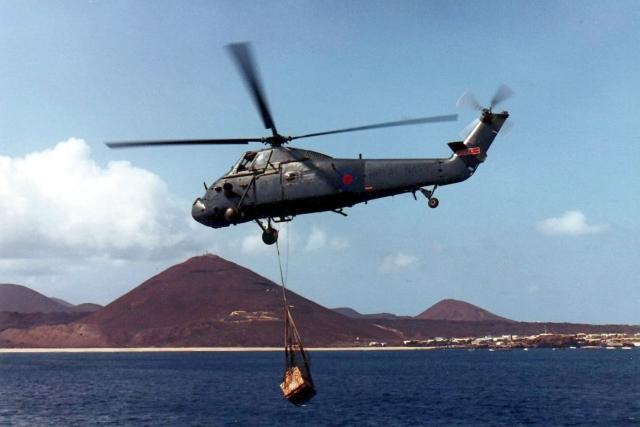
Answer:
[(274, 184)]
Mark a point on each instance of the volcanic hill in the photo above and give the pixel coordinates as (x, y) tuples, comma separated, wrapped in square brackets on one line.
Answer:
[(459, 311), (20, 299), (207, 301), (204, 301), (21, 307)]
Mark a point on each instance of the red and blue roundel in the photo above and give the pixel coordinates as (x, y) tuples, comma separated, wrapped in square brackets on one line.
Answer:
[(347, 178)]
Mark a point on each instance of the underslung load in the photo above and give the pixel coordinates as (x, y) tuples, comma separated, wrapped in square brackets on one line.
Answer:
[(297, 385)]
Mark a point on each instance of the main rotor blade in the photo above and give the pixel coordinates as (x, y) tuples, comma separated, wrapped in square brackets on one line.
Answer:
[(241, 53), (130, 144), (435, 119), (504, 92)]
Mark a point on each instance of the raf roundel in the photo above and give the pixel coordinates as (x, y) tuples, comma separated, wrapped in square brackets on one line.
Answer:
[(347, 179)]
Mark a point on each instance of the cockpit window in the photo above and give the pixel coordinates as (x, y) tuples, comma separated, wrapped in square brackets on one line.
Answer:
[(244, 162), (261, 160)]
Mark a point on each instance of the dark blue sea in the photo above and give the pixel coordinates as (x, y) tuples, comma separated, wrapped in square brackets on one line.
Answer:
[(404, 388)]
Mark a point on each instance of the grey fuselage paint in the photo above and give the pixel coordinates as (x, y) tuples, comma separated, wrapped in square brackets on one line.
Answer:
[(292, 181)]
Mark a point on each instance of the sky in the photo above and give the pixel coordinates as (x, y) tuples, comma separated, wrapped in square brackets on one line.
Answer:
[(546, 230)]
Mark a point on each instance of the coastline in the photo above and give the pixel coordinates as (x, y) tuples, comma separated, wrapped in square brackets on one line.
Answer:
[(279, 349), (196, 349)]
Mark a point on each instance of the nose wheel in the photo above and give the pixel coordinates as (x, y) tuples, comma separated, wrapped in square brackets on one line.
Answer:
[(432, 202), (269, 234)]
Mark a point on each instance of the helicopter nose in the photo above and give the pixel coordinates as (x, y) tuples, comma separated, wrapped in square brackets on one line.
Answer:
[(198, 211)]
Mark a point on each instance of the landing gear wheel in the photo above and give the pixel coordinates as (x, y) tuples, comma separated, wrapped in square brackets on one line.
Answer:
[(270, 236), (432, 202)]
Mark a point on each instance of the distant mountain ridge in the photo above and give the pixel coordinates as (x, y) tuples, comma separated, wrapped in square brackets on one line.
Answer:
[(446, 309), (459, 311), (61, 301), (208, 301), (350, 312), (21, 299)]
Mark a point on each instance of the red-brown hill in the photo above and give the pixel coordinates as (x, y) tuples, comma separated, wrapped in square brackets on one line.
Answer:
[(20, 299), (87, 307), (12, 319), (205, 301), (454, 310)]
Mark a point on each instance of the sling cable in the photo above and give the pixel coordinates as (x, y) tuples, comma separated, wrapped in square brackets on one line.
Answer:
[(297, 383)]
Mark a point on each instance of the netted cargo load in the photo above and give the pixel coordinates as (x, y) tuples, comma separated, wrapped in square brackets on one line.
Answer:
[(297, 384)]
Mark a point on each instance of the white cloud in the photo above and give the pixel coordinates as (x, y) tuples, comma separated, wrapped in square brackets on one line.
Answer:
[(253, 244), (60, 203), (339, 243), (395, 262), (314, 241), (317, 240), (571, 223)]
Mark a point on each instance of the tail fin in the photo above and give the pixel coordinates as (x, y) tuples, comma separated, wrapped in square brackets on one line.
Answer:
[(473, 150)]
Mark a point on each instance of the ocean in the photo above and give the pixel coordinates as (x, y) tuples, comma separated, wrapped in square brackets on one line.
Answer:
[(360, 388)]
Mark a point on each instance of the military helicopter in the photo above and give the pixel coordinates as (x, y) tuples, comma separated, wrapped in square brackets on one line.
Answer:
[(279, 182)]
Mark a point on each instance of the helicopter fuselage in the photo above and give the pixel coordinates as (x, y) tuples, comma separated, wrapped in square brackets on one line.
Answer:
[(281, 182), (305, 186)]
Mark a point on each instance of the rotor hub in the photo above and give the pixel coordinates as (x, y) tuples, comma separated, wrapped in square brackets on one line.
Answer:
[(487, 115), (276, 140)]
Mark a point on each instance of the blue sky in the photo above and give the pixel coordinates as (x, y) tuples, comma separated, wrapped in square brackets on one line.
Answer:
[(547, 229)]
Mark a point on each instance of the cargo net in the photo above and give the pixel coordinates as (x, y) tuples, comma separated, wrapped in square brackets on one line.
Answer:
[(297, 384)]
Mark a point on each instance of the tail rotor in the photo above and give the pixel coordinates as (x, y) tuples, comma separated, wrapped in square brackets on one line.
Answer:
[(503, 93), (468, 100)]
